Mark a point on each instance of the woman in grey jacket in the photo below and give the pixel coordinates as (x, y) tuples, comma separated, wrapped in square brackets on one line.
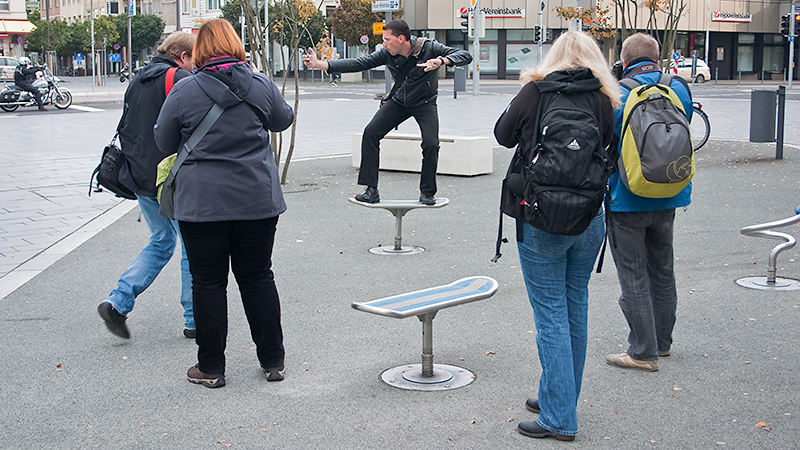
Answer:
[(228, 197)]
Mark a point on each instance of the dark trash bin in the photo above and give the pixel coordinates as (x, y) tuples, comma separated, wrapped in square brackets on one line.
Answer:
[(763, 105), (460, 78)]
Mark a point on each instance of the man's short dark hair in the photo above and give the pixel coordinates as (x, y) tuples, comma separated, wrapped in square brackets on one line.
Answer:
[(399, 27)]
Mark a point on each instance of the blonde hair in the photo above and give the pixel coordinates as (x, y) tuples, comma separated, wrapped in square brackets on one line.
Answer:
[(216, 38), (571, 50), (177, 43)]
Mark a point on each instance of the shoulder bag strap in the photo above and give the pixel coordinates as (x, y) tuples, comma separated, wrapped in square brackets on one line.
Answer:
[(169, 80), (199, 134), (239, 93)]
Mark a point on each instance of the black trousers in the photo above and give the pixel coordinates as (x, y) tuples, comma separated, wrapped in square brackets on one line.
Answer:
[(25, 86), (387, 118), (247, 244)]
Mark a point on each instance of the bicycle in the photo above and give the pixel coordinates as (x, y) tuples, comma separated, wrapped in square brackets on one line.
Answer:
[(701, 128)]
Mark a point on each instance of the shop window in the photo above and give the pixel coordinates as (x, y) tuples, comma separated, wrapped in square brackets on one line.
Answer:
[(523, 56), (747, 38), (519, 35), (744, 60), (773, 39), (773, 59), (4, 5), (213, 4), (487, 58)]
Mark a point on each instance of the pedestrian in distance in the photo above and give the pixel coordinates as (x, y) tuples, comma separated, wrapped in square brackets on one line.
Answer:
[(557, 267), (414, 94), (24, 76), (640, 232), (143, 99), (228, 197)]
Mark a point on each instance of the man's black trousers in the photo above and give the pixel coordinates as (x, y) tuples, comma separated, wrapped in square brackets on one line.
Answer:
[(25, 86), (387, 118)]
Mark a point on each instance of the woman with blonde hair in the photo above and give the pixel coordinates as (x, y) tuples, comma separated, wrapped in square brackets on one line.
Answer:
[(228, 196), (556, 268)]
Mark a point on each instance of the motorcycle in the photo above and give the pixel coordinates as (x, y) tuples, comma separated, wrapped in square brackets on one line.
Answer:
[(12, 97), (125, 73)]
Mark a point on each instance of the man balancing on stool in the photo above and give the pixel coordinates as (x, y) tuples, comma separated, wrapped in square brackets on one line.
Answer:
[(413, 95)]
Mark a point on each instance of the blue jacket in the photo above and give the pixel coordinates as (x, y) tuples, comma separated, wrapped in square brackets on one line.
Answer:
[(622, 200)]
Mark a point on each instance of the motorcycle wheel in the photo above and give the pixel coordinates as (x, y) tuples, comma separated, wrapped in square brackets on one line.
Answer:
[(64, 100), (9, 108)]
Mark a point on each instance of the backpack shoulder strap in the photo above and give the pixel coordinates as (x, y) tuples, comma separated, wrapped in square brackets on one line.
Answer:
[(630, 83), (418, 46), (169, 80)]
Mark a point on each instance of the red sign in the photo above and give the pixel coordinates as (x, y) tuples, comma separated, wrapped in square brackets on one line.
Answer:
[(463, 10)]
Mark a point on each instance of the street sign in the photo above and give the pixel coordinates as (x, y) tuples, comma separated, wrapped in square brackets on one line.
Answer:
[(364, 39), (116, 46), (31, 5), (676, 56), (386, 5), (377, 28), (114, 57), (791, 38)]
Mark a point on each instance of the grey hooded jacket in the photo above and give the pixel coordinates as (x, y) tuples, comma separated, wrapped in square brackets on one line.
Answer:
[(231, 174)]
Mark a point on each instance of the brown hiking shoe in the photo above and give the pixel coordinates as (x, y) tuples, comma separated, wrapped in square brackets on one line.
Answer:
[(210, 381), (624, 360)]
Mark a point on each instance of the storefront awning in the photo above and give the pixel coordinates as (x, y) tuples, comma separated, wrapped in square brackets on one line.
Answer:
[(15, 26)]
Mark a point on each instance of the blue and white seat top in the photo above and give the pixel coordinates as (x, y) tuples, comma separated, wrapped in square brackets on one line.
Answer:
[(432, 299)]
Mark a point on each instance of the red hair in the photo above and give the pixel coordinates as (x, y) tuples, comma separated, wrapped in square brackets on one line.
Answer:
[(216, 38)]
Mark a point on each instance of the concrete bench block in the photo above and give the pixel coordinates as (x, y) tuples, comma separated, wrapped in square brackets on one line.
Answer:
[(458, 155)]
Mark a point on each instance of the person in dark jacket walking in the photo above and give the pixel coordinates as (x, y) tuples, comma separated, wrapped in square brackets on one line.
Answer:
[(143, 100), (228, 197), (24, 76), (414, 96), (557, 268)]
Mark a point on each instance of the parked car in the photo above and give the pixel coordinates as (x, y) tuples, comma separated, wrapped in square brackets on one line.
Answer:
[(703, 72), (7, 66)]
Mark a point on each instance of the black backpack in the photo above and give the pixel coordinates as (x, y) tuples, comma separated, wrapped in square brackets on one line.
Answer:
[(558, 180)]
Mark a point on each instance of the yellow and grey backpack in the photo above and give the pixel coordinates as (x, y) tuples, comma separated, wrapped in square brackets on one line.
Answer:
[(656, 157)]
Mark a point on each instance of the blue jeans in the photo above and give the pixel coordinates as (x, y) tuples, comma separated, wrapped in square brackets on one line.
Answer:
[(557, 271), (641, 243), (148, 264)]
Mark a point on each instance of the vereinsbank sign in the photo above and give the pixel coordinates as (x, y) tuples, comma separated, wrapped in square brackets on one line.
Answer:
[(501, 13)]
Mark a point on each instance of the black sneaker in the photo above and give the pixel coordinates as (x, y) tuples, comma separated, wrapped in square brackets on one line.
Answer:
[(427, 199), (275, 373), (370, 195), (207, 380), (114, 320), (191, 334)]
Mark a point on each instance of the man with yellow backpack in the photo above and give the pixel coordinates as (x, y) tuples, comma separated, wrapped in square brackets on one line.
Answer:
[(655, 166)]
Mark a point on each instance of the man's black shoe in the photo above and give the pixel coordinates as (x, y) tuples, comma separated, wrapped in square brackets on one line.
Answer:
[(191, 334), (42, 108), (534, 430), (370, 195), (427, 199), (114, 320), (532, 404)]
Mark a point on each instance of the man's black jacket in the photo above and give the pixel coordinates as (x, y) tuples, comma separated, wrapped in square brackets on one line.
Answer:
[(143, 100), (25, 74), (419, 87)]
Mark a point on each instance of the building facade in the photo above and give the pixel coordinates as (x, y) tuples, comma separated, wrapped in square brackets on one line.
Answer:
[(14, 27), (736, 38)]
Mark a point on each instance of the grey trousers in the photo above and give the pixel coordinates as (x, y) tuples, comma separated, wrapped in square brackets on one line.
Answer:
[(641, 243)]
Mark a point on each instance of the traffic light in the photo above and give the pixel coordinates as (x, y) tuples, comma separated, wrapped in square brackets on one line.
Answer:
[(785, 24), (465, 23), (537, 34)]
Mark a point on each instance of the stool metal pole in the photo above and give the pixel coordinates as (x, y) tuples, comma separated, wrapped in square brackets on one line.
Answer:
[(427, 343)]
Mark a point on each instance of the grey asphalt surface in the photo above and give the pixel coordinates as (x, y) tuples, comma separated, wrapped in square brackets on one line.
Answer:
[(69, 383)]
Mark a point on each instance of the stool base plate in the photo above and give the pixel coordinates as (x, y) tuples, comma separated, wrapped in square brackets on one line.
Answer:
[(404, 250), (445, 377), (760, 283)]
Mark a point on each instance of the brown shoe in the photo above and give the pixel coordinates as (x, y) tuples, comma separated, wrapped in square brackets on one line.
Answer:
[(208, 380), (664, 353), (624, 360)]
